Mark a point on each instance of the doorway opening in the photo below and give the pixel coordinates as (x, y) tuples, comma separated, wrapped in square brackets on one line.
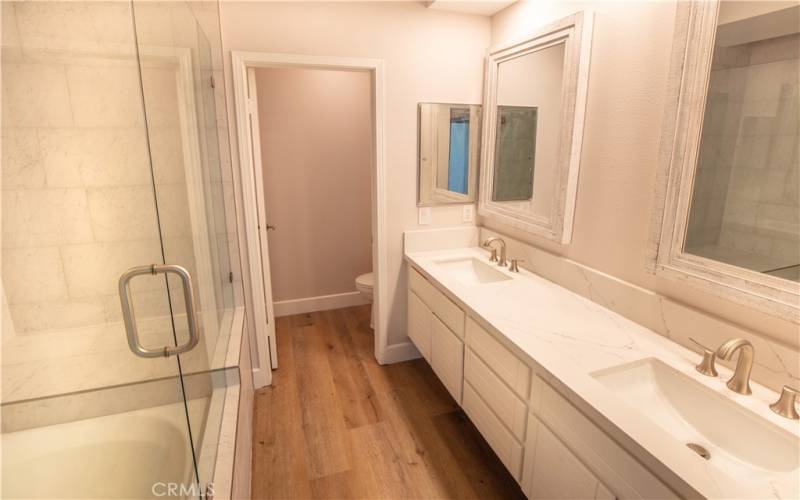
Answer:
[(315, 144), (311, 159)]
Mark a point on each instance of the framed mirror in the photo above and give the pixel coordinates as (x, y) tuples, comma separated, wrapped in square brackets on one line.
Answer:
[(535, 99), (449, 150), (728, 211)]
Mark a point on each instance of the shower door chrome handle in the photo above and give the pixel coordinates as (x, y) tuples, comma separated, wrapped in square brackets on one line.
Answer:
[(130, 321)]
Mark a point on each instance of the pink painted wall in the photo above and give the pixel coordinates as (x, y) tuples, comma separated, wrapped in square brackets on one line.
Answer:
[(315, 128)]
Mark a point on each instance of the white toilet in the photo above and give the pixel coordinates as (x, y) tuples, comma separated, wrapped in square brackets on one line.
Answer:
[(364, 284)]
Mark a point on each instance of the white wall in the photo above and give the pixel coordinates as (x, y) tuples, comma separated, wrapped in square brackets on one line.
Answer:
[(627, 86), (430, 56)]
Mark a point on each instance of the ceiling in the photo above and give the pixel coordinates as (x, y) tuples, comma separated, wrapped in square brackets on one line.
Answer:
[(482, 8)]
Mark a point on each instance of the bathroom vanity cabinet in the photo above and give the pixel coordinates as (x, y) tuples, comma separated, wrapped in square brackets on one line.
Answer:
[(550, 447), (436, 326)]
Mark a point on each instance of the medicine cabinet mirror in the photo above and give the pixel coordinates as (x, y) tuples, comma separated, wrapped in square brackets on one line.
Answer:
[(449, 149), (728, 218), (533, 126)]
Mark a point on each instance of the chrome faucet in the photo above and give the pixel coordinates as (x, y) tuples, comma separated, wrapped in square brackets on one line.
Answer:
[(740, 381), (487, 244)]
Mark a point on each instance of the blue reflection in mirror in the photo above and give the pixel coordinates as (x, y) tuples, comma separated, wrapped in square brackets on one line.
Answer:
[(458, 164)]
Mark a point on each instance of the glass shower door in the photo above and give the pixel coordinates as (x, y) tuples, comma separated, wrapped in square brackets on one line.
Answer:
[(99, 178), (177, 63)]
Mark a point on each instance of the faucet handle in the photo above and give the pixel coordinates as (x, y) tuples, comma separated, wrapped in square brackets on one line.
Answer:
[(785, 406), (514, 268), (707, 365)]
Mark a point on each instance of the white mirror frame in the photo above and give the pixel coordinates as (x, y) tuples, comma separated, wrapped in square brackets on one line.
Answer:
[(576, 32), (695, 29), (428, 193)]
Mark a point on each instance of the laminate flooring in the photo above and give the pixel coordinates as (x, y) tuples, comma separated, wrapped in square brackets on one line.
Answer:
[(335, 424)]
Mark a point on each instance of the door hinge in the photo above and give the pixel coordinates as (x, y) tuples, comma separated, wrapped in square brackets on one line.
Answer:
[(213, 83), (230, 277)]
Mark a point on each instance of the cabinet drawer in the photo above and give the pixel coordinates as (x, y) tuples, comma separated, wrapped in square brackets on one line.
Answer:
[(450, 314), (508, 367), (552, 471), (447, 357), (508, 449), (419, 325), (509, 408), (611, 463)]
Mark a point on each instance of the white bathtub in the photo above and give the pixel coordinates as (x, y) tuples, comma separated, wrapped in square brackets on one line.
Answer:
[(116, 456)]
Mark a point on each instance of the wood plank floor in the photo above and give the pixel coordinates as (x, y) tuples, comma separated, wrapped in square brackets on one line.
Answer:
[(335, 424)]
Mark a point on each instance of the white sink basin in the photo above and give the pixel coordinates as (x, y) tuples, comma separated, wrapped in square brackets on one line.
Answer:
[(737, 441), (472, 271)]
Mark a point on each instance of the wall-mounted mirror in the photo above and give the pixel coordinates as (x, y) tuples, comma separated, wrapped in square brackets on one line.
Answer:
[(449, 149), (535, 100), (729, 218)]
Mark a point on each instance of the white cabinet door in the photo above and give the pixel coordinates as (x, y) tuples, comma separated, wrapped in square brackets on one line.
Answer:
[(419, 324), (553, 472), (613, 466), (447, 357)]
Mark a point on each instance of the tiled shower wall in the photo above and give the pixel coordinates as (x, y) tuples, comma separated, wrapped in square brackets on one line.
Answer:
[(78, 205), (746, 189)]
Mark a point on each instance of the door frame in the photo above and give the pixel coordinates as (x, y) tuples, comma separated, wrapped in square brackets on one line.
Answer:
[(253, 197)]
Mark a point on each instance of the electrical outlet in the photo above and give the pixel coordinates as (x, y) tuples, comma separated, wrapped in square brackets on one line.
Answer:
[(467, 213), (424, 216)]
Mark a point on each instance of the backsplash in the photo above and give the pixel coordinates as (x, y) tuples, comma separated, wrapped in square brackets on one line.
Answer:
[(775, 363)]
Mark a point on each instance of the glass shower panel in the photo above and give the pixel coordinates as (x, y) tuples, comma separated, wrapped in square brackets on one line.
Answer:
[(174, 84), (180, 107), (209, 91), (79, 208)]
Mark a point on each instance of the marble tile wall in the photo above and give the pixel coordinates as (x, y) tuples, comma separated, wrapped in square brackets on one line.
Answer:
[(81, 176), (78, 204)]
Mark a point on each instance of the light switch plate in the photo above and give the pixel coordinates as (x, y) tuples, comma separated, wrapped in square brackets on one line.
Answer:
[(467, 213), (424, 216)]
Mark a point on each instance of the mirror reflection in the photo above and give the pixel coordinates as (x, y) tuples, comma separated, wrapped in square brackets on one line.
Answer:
[(744, 206), (527, 126), (449, 142), (515, 151)]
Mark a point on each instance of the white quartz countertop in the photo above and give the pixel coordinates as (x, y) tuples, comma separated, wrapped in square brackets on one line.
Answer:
[(570, 337)]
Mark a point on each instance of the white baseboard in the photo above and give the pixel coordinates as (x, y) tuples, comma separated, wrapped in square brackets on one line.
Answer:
[(321, 303), (395, 353)]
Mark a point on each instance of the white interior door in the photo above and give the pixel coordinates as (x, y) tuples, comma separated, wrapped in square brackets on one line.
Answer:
[(258, 176)]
